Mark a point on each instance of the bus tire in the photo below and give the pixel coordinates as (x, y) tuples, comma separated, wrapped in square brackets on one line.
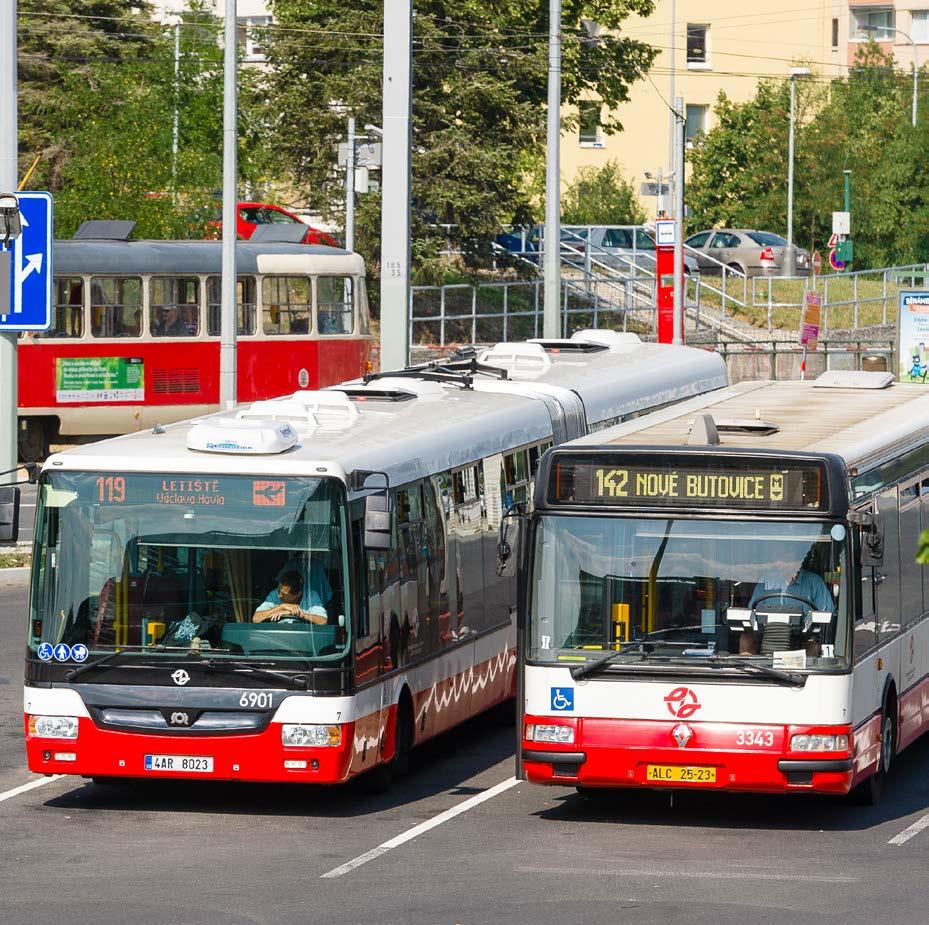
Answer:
[(869, 792), (32, 439)]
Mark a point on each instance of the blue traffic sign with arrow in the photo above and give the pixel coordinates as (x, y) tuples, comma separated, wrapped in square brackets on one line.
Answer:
[(31, 273)]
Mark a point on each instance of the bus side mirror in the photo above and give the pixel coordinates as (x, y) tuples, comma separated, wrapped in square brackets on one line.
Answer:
[(9, 514), (377, 521), (504, 549)]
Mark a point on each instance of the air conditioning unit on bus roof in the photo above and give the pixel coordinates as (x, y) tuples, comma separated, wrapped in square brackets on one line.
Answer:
[(238, 436)]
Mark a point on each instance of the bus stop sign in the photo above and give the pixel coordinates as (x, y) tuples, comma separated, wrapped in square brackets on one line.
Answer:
[(30, 294)]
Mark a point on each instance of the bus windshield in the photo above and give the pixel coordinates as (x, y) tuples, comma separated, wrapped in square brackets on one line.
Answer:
[(227, 565), (773, 592)]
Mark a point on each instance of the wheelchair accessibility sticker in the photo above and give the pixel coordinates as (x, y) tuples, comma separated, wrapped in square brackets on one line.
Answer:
[(562, 699)]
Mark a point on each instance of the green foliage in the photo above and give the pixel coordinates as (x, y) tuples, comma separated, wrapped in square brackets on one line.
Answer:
[(600, 196), (861, 123), (479, 90), (108, 153)]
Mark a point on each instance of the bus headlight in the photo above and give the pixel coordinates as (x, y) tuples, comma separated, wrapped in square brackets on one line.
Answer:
[(53, 727), (819, 743), (560, 735), (310, 736)]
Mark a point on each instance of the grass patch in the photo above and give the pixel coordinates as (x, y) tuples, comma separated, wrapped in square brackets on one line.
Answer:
[(15, 559)]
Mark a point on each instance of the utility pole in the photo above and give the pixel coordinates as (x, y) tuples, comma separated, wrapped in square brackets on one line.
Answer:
[(791, 254), (350, 188), (678, 337), (551, 318), (227, 339), (9, 170), (672, 122), (395, 184), (177, 103)]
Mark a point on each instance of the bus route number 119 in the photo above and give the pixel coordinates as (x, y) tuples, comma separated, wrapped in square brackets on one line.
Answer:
[(111, 489)]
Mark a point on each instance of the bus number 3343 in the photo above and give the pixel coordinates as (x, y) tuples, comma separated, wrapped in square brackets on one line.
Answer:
[(759, 738)]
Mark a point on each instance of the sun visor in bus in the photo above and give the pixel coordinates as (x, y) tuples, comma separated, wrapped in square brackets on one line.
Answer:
[(852, 379), (105, 230), (279, 234), (241, 437)]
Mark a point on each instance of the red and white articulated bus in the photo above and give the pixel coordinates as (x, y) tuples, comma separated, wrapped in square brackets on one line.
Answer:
[(304, 588), (135, 332), (725, 595)]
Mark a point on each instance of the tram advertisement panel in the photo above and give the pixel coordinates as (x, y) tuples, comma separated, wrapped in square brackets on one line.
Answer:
[(620, 480), (81, 379)]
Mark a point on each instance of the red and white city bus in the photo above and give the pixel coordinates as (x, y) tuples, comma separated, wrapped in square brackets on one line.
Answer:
[(135, 332), (724, 594), (371, 509)]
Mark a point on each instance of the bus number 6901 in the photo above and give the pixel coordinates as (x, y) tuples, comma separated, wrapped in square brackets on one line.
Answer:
[(257, 700)]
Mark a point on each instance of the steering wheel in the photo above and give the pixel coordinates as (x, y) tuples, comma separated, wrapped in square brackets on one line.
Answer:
[(293, 618), (807, 603)]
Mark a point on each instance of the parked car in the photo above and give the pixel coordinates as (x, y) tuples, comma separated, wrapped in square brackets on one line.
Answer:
[(754, 253), (614, 246), (249, 215)]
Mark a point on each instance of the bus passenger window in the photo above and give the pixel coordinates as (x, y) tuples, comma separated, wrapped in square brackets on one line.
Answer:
[(175, 306), (246, 302), (285, 304), (335, 305), (116, 306), (68, 317)]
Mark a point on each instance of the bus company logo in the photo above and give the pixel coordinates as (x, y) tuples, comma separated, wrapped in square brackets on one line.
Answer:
[(269, 494), (682, 702), (179, 718), (180, 677)]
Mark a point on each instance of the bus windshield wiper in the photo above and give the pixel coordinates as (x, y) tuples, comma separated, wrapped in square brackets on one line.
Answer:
[(294, 681), (643, 647), (97, 663), (789, 677)]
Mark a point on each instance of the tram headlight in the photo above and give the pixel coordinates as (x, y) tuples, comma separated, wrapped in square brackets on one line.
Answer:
[(559, 735), (53, 727), (315, 736), (819, 743)]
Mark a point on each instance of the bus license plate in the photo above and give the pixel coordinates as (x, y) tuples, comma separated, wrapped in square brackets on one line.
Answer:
[(675, 773), (187, 764)]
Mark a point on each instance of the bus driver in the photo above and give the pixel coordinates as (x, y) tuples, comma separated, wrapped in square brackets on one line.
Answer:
[(293, 598)]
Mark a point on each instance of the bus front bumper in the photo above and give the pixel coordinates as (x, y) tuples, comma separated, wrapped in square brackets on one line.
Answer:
[(256, 757), (626, 753)]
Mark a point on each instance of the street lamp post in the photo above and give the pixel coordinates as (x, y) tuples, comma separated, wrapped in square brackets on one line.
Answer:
[(790, 256), (908, 37)]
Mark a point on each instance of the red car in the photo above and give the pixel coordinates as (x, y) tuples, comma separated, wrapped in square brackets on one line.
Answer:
[(249, 215)]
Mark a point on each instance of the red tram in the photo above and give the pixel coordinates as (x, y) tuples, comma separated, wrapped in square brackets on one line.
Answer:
[(135, 333)]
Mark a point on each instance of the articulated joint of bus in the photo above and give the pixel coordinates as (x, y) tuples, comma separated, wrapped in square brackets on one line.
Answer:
[(618, 753)]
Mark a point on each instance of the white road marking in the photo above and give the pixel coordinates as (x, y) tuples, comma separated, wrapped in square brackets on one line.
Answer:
[(24, 788), (910, 831), (422, 828), (684, 874)]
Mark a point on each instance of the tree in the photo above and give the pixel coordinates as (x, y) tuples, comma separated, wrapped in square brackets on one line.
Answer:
[(479, 89), (600, 196)]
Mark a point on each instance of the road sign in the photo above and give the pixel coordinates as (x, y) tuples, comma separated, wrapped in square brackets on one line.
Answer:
[(817, 263), (31, 273), (841, 222), (367, 154), (664, 233), (834, 261)]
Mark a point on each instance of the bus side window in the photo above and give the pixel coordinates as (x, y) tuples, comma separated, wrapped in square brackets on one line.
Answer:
[(888, 587), (911, 579), (68, 316), (864, 604)]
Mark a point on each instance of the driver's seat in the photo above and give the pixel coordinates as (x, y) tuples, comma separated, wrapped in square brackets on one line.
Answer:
[(775, 638)]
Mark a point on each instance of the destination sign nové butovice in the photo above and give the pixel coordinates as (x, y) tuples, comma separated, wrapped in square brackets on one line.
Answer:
[(687, 485)]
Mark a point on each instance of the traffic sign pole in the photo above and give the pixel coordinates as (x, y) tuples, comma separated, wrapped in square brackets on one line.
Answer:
[(9, 142)]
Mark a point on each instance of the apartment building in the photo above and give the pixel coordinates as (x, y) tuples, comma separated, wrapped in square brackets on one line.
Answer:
[(706, 47), (900, 28), (250, 15)]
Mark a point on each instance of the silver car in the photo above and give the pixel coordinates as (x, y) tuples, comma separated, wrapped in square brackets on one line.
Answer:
[(754, 253)]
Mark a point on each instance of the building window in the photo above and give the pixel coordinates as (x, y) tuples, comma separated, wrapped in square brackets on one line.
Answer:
[(870, 22), (919, 26), (251, 32), (835, 33), (589, 125), (695, 122), (698, 52)]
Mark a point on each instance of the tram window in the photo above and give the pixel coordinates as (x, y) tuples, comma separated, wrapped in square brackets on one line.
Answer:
[(246, 302), (175, 306), (116, 306), (285, 304), (335, 305), (364, 320), (68, 318)]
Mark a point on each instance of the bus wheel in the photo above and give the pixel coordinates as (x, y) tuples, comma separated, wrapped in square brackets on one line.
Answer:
[(33, 439), (868, 792)]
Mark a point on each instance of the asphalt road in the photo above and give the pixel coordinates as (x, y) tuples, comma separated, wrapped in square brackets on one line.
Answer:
[(73, 852)]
